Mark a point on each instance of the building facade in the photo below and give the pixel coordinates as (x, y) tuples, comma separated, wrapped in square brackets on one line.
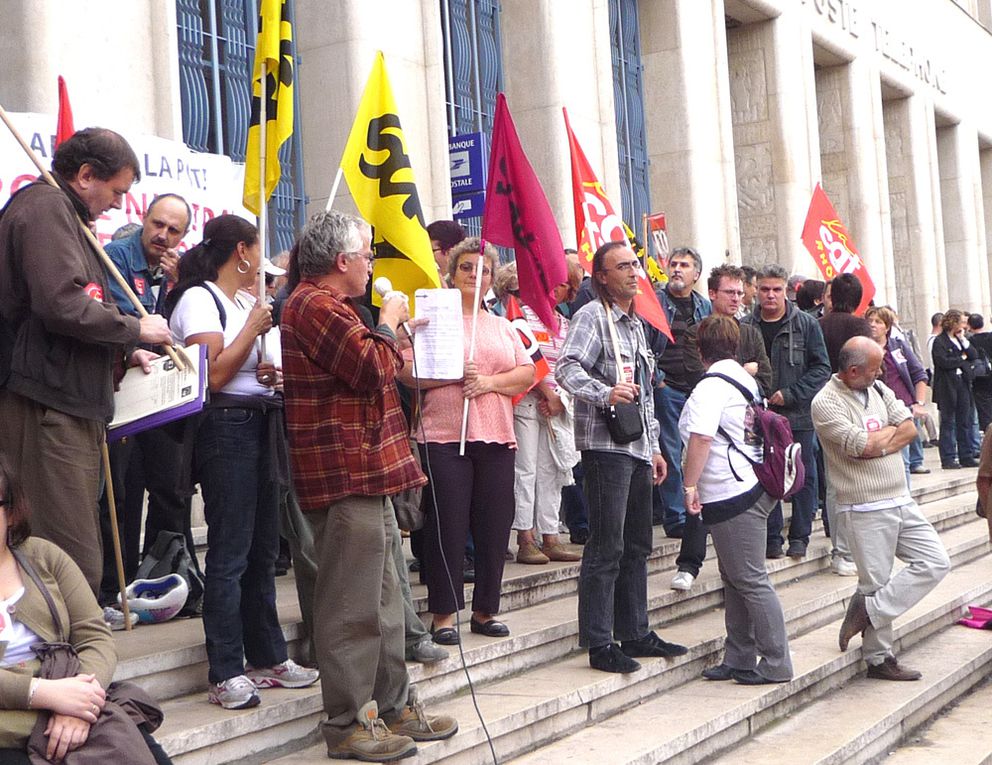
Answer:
[(724, 114)]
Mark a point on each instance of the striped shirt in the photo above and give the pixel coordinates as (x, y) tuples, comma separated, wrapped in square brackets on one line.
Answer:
[(546, 339), (587, 369)]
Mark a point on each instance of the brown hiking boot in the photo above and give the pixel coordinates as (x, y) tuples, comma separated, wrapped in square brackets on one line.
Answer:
[(372, 741), (890, 670), (855, 622), (413, 721), (558, 552), (530, 553)]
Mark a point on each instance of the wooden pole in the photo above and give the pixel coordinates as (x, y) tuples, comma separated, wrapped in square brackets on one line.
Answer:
[(115, 533), (334, 189), (177, 355), (471, 347)]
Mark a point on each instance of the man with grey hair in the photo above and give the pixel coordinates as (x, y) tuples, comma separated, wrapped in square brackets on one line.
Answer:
[(350, 453), (862, 428), (800, 367)]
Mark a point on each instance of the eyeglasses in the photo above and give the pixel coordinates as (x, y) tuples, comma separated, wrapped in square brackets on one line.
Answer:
[(467, 268), (367, 255), (629, 265), (732, 293)]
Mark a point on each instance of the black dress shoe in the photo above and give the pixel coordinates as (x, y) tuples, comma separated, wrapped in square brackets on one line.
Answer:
[(951, 465), (609, 658), (719, 672), (492, 628), (675, 532), (445, 635), (969, 462), (652, 645), (578, 536), (750, 677), (774, 550)]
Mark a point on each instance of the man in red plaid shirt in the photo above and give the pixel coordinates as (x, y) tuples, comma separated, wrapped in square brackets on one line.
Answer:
[(350, 453)]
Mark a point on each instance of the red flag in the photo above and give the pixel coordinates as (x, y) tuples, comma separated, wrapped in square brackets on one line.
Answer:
[(517, 214), (596, 224), (64, 129), (541, 369), (830, 244)]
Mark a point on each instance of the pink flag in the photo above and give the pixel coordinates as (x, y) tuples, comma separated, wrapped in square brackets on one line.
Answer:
[(517, 215)]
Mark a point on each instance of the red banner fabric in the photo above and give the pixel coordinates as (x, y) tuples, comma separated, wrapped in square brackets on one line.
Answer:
[(517, 215), (830, 244), (541, 369), (596, 224), (64, 128)]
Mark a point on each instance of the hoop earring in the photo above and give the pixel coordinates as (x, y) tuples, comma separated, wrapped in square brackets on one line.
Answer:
[(246, 264)]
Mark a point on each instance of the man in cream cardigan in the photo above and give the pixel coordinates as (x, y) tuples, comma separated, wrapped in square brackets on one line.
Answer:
[(862, 427)]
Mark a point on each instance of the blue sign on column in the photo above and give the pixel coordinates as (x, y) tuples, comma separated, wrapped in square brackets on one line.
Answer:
[(468, 156)]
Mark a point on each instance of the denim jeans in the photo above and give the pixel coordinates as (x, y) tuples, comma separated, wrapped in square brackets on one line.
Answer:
[(668, 406), (241, 506), (613, 578), (573, 502), (803, 501), (957, 426)]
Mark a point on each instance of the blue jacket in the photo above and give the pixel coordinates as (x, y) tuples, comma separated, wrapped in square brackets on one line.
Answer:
[(657, 341), (129, 257), (800, 365)]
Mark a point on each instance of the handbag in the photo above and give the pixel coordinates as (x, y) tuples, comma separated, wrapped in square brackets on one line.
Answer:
[(114, 737), (980, 367), (623, 420)]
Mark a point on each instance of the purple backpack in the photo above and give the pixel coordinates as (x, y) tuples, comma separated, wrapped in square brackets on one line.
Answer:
[(780, 471)]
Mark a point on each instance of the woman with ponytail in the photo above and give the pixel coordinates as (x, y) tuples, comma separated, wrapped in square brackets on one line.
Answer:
[(239, 459)]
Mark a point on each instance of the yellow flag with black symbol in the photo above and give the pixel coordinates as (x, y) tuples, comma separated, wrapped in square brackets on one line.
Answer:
[(377, 167), (274, 61)]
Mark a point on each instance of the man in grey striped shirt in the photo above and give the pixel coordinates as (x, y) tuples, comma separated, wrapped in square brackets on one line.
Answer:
[(862, 427), (618, 477)]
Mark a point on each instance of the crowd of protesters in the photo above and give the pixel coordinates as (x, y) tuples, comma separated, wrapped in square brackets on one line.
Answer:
[(318, 424)]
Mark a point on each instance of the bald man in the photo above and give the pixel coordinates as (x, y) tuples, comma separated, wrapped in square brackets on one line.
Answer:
[(862, 428)]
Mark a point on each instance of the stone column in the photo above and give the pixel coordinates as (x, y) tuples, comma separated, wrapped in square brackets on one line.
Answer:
[(957, 152), (690, 131), (985, 162), (122, 71), (775, 136), (556, 53), (337, 44), (916, 257), (848, 107)]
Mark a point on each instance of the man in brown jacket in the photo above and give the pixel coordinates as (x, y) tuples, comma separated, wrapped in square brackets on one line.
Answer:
[(726, 290), (60, 336)]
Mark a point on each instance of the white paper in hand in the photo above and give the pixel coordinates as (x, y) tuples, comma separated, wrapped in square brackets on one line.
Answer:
[(440, 344)]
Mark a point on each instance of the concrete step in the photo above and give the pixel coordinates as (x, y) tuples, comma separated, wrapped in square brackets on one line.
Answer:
[(959, 734), (531, 708)]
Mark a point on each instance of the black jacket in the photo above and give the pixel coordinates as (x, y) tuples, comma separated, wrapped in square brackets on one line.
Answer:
[(947, 359)]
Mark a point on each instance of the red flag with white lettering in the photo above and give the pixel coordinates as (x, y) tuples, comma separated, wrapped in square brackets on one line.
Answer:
[(516, 317), (64, 128), (830, 244), (596, 224)]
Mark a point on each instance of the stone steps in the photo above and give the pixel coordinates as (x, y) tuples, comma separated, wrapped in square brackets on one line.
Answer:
[(531, 708), (170, 659), (960, 734)]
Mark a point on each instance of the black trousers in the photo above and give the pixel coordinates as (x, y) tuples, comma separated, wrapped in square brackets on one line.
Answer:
[(982, 391), (473, 493)]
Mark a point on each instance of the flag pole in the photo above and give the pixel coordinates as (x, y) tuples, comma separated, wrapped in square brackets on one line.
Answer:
[(645, 241), (471, 346), (177, 355), (115, 532), (334, 189), (263, 212)]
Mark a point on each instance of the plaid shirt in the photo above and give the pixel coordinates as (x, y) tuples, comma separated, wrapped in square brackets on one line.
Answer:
[(587, 369), (347, 433)]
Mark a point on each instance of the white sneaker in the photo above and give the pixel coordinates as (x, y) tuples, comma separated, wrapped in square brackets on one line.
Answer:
[(289, 674), (235, 693), (843, 567), (683, 581), (115, 618)]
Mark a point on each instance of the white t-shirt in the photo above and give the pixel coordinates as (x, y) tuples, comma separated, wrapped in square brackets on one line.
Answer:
[(715, 404), (196, 313), (16, 635)]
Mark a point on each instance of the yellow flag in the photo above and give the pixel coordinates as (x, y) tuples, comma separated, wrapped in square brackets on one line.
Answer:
[(274, 58), (380, 177)]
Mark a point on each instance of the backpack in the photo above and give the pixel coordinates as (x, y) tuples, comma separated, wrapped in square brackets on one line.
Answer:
[(781, 471), (169, 556)]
